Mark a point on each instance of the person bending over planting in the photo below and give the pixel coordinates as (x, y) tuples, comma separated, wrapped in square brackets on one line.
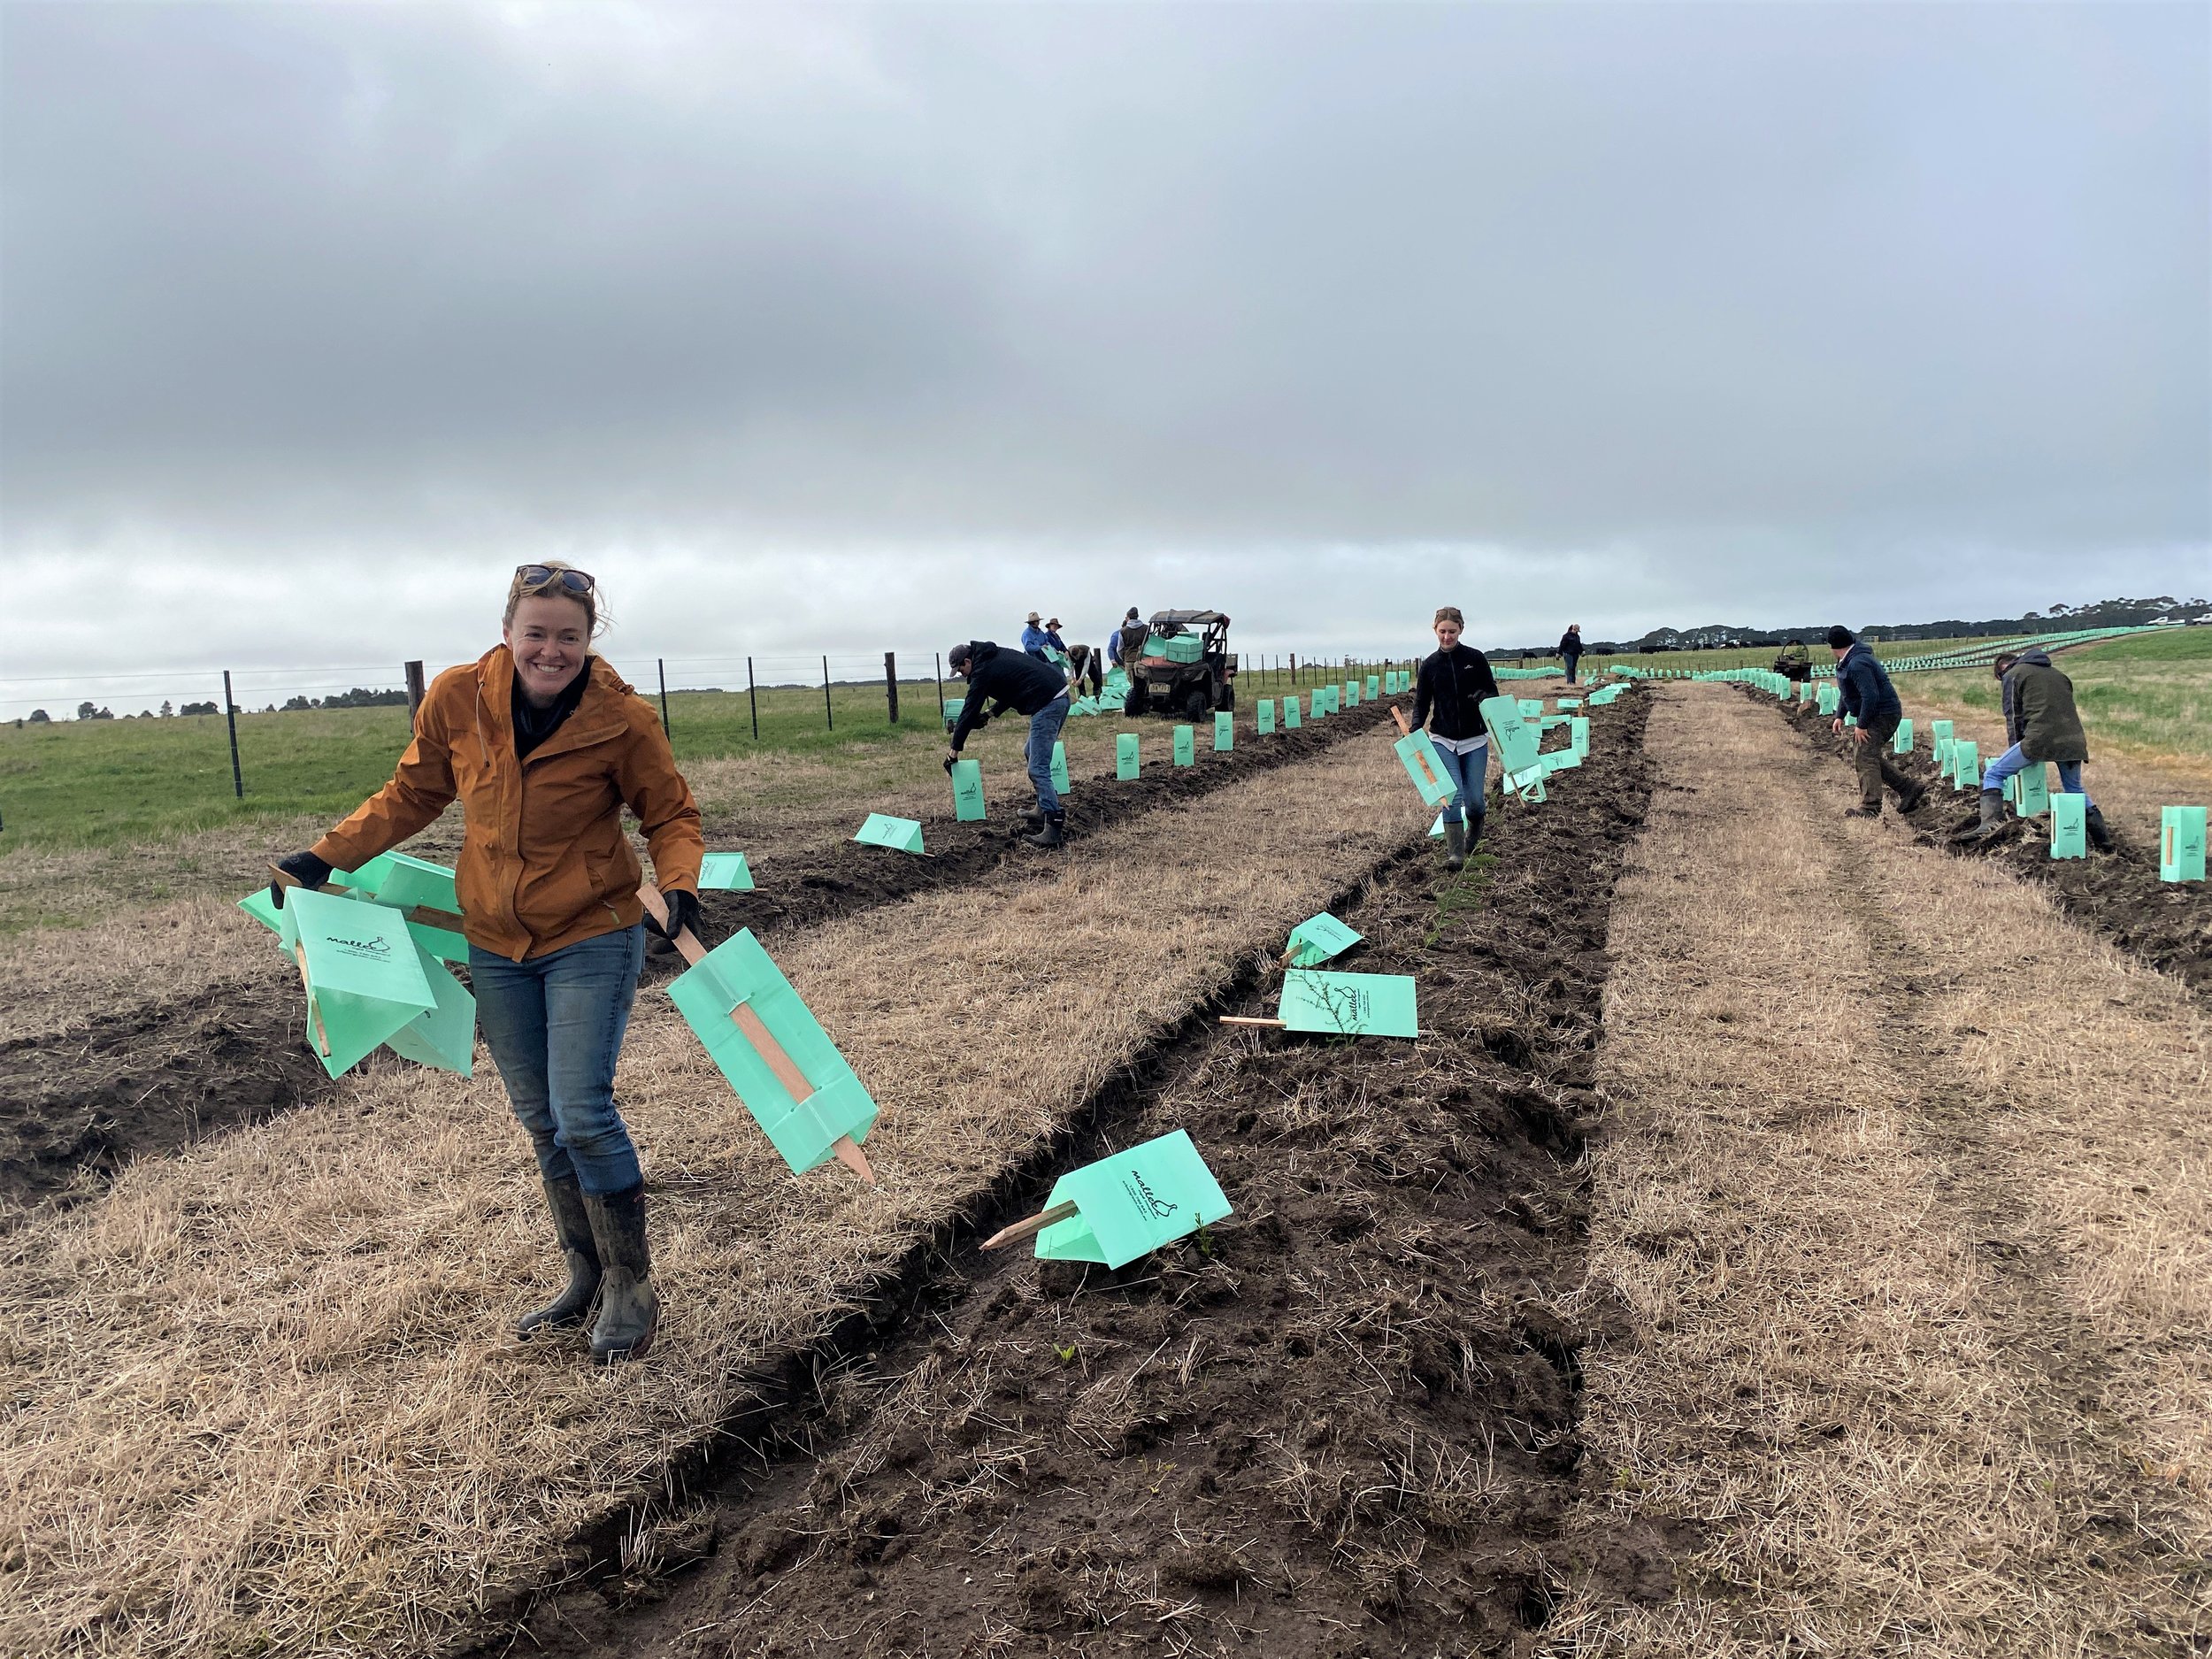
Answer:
[(1028, 685), (2041, 724), (1866, 694), (543, 745), (1448, 696)]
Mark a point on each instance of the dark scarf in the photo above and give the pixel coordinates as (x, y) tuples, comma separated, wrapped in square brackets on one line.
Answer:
[(533, 725)]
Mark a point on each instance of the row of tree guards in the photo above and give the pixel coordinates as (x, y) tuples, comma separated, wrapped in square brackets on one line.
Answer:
[(417, 684)]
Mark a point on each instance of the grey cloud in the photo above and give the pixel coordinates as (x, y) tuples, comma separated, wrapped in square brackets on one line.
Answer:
[(1733, 310)]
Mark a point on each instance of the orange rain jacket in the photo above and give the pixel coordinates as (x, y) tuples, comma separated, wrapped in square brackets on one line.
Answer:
[(543, 862)]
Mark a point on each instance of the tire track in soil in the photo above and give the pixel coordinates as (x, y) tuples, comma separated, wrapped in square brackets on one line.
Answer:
[(1342, 1424), (2167, 924), (77, 1105)]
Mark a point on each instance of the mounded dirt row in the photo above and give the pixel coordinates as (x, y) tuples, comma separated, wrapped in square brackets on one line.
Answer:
[(199, 1025), (1900, 1252), (267, 1394), (1342, 1421), (2167, 924)]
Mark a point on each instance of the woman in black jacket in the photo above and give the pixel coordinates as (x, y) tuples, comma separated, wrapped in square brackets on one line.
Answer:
[(1448, 697)]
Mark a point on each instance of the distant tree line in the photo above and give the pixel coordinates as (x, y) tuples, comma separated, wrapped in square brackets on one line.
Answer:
[(2106, 613)]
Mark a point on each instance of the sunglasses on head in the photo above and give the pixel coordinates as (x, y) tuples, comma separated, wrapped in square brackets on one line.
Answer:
[(538, 576)]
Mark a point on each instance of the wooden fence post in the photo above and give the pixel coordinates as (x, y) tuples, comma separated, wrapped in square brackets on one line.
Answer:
[(413, 671), (230, 713), (829, 715), (752, 698), (662, 666), (891, 682)]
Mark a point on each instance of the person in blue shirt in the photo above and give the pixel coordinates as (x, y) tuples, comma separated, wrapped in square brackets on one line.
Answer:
[(1867, 695), (1033, 641)]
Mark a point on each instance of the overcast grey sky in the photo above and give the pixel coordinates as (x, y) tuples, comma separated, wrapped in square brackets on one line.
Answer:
[(818, 328)]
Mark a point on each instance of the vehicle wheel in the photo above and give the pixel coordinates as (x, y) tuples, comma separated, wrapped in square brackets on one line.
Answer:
[(1228, 695), (1194, 705), (1133, 703)]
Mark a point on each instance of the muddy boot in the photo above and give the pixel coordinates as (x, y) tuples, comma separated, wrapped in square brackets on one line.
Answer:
[(629, 1312), (1455, 844), (1052, 833), (2100, 837), (571, 1225), (1035, 817), (1908, 802), (1864, 811), (1474, 831), (1992, 816)]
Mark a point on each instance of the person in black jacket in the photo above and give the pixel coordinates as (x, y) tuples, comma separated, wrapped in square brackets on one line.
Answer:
[(1868, 696), (1448, 697), (1026, 685), (1570, 648)]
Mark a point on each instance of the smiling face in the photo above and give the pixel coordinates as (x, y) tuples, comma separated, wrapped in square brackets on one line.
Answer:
[(1448, 633), (549, 636)]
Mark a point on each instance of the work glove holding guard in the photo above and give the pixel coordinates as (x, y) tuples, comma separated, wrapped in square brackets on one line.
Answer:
[(684, 910), (304, 868)]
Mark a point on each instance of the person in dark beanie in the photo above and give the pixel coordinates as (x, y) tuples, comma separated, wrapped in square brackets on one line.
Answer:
[(1028, 685), (1570, 648), (1870, 698), (2041, 724), (1448, 697)]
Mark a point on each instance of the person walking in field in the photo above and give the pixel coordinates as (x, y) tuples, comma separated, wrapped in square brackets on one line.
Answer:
[(544, 745), (1026, 685), (2041, 724), (1448, 697), (1869, 697), (1570, 648)]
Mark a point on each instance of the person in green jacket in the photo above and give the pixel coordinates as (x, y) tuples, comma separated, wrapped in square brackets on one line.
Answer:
[(2042, 725)]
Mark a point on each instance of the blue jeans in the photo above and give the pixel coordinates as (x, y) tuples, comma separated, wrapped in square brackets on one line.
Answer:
[(2012, 761), (1572, 662), (555, 1023), (1469, 776), (1044, 731)]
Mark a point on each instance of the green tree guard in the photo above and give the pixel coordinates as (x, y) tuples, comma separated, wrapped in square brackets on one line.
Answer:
[(2181, 843)]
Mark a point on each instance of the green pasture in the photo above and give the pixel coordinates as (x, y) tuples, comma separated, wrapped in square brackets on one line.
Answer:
[(2147, 692), (108, 783)]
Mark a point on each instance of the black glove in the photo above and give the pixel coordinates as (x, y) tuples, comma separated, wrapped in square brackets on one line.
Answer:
[(951, 754), (684, 911), (304, 868)]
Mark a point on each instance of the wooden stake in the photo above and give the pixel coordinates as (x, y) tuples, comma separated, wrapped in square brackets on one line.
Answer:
[(845, 1149), (1247, 1019), (322, 1037), (1030, 1228), (1399, 715)]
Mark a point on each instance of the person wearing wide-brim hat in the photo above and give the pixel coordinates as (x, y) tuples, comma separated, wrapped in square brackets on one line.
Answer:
[(544, 745), (1033, 641)]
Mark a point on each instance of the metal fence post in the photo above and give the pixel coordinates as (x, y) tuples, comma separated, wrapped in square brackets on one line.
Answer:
[(937, 668), (829, 715), (230, 713), (413, 671), (891, 682), (752, 698), (662, 665)]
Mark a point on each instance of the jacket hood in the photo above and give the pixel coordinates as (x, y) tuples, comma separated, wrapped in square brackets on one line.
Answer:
[(2041, 658)]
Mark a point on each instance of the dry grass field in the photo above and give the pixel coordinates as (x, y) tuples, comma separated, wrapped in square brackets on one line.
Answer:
[(263, 1397), (1902, 1228), (1871, 1318)]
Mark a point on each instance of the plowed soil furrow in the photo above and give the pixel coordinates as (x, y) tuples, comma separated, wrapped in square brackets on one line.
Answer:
[(1341, 1422), (2167, 924), (149, 1077)]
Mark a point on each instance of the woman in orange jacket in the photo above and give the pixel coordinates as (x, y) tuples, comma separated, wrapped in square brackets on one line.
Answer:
[(543, 744)]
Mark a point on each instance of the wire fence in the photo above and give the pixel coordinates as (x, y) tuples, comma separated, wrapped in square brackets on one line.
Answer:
[(724, 699)]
